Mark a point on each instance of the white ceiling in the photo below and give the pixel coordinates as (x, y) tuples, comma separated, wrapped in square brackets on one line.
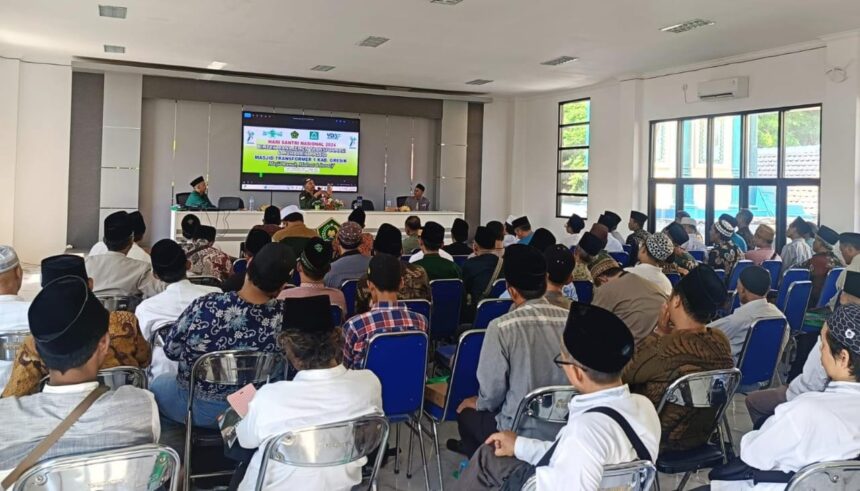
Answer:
[(432, 46)]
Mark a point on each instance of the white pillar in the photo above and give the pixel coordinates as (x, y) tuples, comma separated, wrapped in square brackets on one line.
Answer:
[(451, 179)]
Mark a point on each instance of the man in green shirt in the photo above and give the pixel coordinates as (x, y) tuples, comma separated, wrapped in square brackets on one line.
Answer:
[(198, 199), (437, 267)]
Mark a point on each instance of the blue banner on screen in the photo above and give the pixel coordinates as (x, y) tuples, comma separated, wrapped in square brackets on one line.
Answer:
[(280, 151)]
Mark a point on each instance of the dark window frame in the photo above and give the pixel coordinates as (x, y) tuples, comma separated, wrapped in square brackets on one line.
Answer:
[(560, 148)]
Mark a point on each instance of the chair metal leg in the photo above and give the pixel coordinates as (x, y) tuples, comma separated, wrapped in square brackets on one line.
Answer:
[(423, 454), (409, 453), (397, 448), (657, 481), (187, 456), (684, 481), (438, 454), (728, 444)]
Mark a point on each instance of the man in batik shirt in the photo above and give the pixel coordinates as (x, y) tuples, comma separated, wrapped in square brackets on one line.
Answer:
[(824, 259)]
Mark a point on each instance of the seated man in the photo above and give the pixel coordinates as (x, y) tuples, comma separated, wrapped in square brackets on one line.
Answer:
[(255, 240), (683, 261), (611, 220), (516, 356), (498, 230), (522, 229), (384, 281), (559, 272), (849, 248), (418, 202), (312, 266), (271, 221), (595, 348), (436, 266), (822, 261), (815, 426), (323, 391), (510, 236), (680, 345), (294, 234), (589, 248), (114, 273), (656, 251), (352, 263), (753, 287), (138, 225), (199, 199), (189, 227), (70, 327), (638, 235), (127, 347), (635, 300), (415, 282), (542, 239), (692, 228), (573, 227), (482, 269), (169, 265), (797, 251), (359, 217), (13, 308), (412, 227), (744, 218), (206, 259), (248, 319), (460, 234), (725, 254), (763, 242)]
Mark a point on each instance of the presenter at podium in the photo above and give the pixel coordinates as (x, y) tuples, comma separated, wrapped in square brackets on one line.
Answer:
[(198, 199), (311, 194), (417, 202)]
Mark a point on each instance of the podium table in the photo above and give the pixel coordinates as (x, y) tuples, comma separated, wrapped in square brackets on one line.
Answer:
[(233, 226)]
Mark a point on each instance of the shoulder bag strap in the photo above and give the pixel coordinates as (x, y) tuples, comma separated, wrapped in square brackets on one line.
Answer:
[(33, 457), (493, 278), (641, 452)]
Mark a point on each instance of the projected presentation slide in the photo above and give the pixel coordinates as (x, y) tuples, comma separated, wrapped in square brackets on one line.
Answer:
[(280, 151)]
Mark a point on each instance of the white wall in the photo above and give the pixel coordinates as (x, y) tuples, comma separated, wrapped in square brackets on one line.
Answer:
[(8, 145), (496, 159)]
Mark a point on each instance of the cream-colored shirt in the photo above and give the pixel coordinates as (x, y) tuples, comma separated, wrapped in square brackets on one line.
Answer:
[(114, 273)]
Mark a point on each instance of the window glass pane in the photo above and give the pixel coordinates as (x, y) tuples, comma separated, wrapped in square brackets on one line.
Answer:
[(762, 204), (664, 205), (802, 142), (665, 146), (575, 112), (727, 147), (694, 148), (762, 142), (802, 201), (573, 159), (695, 200), (573, 182), (574, 136), (726, 200), (568, 205)]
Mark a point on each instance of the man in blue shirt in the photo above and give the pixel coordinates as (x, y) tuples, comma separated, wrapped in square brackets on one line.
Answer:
[(523, 230)]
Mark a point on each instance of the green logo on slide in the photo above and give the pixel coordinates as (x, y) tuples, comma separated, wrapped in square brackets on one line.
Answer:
[(294, 134), (315, 135)]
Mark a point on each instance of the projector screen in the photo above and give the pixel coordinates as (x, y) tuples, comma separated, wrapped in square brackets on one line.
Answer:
[(280, 151)]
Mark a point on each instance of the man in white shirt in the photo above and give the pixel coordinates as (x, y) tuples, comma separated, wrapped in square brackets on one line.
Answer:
[(323, 391), (753, 287), (596, 346), (695, 243), (169, 265), (13, 308), (573, 227), (510, 236), (849, 248), (113, 272), (611, 220), (796, 251), (815, 426), (652, 259), (138, 225)]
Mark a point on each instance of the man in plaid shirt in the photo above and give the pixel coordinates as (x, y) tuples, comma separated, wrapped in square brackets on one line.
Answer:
[(385, 315)]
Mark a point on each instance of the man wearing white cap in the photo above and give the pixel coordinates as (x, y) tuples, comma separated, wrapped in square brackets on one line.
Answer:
[(695, 243), (295, 234), (510, 236), (13, 308)]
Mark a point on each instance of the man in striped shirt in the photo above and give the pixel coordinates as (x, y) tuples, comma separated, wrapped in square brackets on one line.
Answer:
[(385, 315)]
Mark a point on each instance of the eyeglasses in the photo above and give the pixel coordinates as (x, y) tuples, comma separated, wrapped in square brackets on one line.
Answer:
[(559, 362)]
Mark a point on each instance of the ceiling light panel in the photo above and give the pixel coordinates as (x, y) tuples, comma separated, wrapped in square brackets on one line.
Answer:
[(113, 11), (112, 48), (561, 60), (322, 68), (216, 65), (479, 81), (687, 26), (373, 41), (446, 2)]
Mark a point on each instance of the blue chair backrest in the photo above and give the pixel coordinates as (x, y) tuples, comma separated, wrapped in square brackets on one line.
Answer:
[(829, 289), (464, 374), (460, 260), (499, 287), (349, 289), (736, 302), (584, 291), (621, 258), (698, 255), (721, 274), (795, 303), (417, 305), (788, 278), (336, 315), (445, 310), (297, 279), (762, 351), (240, 265), (489, 309), (774, 267), (627, 248), (674, 278), (399, 360), (736, 273)]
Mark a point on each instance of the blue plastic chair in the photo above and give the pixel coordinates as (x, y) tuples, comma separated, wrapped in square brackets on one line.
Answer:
[(698, 255), (796, 301), (336, 315), (762, 351), (499, 287), (621, 258), (297, 279), (790, 276), (674, 278), (349, 289), (488, 309), (774, 267), (240, 266), (721, 274), (736, 302), (445, 309), (417, 305), (627, 248), (462, 384), (736, 273), (829, 289), (460, 260), (584, 291), (399, 361)]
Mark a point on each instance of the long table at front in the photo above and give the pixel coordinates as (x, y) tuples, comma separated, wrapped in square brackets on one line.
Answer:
[(233, 226)]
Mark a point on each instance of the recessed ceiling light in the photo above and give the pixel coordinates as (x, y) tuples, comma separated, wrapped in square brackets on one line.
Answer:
[(479, 81), (687, 26), (113, 11), (323, 68), (216, 65), (560, 60), (446, 2), (112, 48), (373, 41)]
